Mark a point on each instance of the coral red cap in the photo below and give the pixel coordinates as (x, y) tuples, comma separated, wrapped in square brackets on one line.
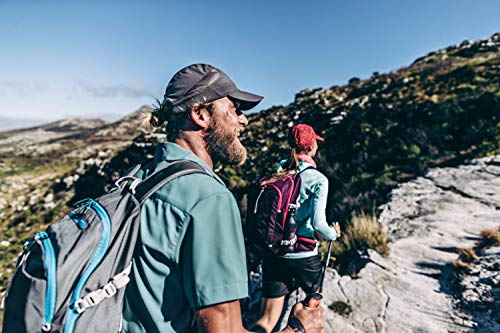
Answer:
[(304, 136)]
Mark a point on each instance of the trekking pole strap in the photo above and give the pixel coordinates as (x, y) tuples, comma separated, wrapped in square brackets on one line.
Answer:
[(95, 297), (296, 325)]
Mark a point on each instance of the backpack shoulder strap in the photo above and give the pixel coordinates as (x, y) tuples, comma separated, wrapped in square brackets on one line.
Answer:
[(308, 168), (132, 171), (298, 175), (152, 183)]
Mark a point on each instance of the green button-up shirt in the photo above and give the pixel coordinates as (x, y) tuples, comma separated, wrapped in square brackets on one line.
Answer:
[(190, 253)]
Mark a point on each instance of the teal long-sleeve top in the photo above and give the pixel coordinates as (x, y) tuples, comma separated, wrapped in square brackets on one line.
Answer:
[(311, 214)]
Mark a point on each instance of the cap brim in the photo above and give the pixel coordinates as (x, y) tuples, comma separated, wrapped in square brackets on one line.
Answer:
[(319, 138), (247, 100)]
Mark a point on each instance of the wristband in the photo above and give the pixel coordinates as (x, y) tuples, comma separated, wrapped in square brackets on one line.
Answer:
[(296, 325)]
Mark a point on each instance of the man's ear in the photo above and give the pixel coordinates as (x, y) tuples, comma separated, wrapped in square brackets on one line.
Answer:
[(200, 116)]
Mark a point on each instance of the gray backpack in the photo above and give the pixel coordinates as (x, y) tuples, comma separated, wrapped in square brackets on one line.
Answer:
[(71, 278)]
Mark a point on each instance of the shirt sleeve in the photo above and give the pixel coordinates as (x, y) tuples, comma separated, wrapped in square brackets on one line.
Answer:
[(213, 258), (318, 210)]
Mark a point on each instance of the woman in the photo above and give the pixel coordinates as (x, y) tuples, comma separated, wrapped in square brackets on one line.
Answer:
[(283, 274)]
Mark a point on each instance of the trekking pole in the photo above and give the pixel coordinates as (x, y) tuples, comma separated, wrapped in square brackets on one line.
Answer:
[(313, 299), (327, 261)]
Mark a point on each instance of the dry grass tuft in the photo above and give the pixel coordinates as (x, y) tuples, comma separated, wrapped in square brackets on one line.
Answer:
[(364, 232), (467, 255), (491, 237), (348, 252), (461, 266)]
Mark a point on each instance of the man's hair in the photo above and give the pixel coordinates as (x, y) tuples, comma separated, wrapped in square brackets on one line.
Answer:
[(164, 116)]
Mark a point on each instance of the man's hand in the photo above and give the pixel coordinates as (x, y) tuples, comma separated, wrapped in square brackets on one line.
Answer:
[(226, 317), (310, 318)]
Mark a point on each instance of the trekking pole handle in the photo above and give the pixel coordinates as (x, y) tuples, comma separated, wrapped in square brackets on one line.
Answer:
[(312, 300)]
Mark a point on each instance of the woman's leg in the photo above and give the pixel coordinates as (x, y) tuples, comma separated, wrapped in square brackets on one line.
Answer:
[(276, 283), (307, 272), (272, 308)]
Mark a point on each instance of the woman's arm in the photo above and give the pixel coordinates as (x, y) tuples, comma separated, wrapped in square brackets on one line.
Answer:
[(318, 209)]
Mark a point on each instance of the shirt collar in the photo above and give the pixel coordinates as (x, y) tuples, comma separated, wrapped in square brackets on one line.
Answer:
[(306, 158), (169, 152), (304, 165)]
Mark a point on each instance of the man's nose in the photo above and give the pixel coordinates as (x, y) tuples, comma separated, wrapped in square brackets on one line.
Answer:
[(243, 119)]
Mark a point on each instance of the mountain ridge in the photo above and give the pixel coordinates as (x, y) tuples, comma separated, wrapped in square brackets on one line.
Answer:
[(442, 110)]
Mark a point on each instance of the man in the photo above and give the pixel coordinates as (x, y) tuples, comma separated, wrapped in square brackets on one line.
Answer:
[(189, 267)]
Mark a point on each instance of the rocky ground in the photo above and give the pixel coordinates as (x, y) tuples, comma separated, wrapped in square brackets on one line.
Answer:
[(479, 295), (413, 290)]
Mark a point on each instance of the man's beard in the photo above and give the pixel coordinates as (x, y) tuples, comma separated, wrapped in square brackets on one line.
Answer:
[(224, 146)]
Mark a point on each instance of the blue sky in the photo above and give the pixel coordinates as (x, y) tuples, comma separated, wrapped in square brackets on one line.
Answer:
[(61, 59)]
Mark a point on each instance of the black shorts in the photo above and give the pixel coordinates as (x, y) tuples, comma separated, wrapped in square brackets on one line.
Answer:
[(282, 276)]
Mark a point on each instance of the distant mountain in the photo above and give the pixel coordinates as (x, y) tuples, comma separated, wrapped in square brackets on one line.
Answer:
[(23, 138), (8, 123), (442, 110), (39, 167)]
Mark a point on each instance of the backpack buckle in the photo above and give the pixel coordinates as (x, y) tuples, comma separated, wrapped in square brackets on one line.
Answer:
[(79, 306), (95, 297), (134, 184), (121, 182), (89, 301), (289, 242), (109, 289)]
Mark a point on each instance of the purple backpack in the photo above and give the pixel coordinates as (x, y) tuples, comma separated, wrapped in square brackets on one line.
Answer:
[(270, 225)]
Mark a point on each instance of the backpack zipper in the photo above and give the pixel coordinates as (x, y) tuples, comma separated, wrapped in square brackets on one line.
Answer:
[(287, 207), (73, 313), (279, 196), (51, 290), (77, 218), (258, 197)]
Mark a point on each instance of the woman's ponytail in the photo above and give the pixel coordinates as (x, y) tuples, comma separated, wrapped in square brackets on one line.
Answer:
[(290, 166)]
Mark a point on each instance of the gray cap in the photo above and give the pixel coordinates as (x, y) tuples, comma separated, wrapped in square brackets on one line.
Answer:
[(202, 83)]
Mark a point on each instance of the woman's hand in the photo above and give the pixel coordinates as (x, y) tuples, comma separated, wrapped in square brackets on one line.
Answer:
[(336, 226)]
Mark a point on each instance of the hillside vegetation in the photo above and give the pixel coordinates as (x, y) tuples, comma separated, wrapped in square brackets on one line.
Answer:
[(39, 168), (442, 110)]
